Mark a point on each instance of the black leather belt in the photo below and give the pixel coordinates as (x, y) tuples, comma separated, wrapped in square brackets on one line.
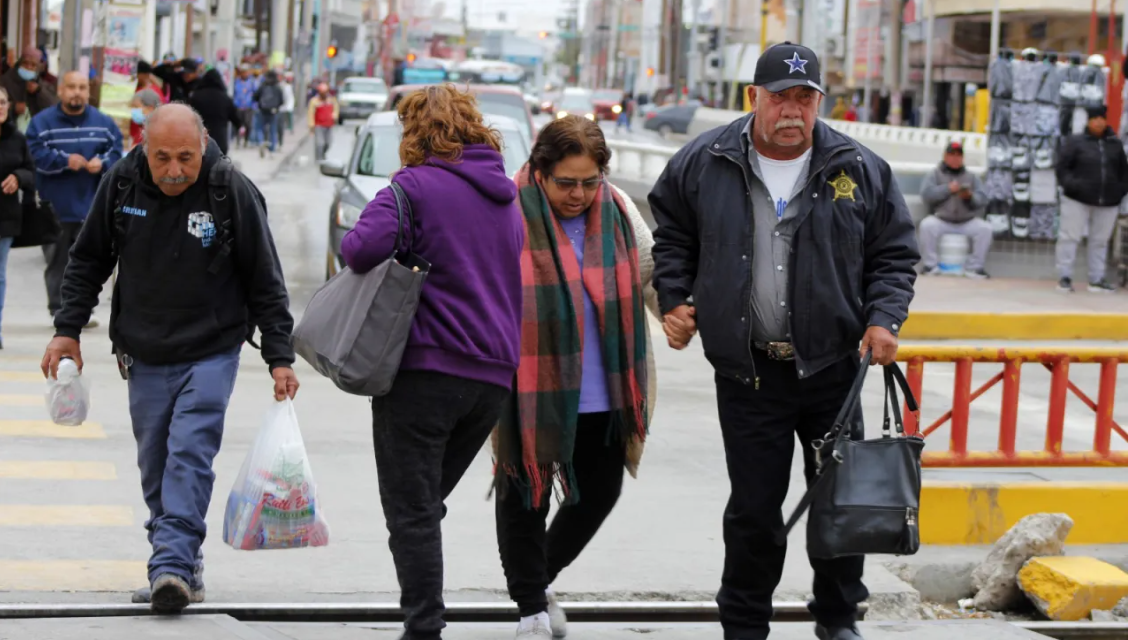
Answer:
[(777, 350)]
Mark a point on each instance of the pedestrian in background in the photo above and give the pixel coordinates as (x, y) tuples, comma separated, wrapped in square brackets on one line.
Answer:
[(286, 114), (462, 351), (69, 168), (180, 77), (788, 244), (956, 200), (269, 99), (626, 111), (144, 102), (217, 109), (25, 86), (1092, 170), (323, 113), (586, 387), (244, 90), (17, 171), (145, 80), (179, 322)]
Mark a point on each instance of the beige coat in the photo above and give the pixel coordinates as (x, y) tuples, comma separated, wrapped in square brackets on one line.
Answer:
[(644, 240)]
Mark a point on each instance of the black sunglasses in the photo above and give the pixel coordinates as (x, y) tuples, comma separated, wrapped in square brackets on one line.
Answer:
[(567, 184)]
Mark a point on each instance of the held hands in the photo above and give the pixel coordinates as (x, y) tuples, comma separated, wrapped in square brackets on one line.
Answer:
[(285, 383), (57, 349), (76, 162), (882, 343), (10, 185), (954, 186), (680, 326), (94, 165)]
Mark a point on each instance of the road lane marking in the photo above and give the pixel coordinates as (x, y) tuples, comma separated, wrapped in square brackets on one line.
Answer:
[(48, 429), (38, 515), (56, 470), (72, 575), (16, 400), (21, 376)]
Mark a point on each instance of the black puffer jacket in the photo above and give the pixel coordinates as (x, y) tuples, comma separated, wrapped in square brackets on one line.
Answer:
[(211, 101), (1093, 170), (15, 159), (851, 262)]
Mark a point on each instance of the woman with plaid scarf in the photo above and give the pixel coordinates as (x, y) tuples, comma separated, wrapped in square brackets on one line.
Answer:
[(585, 387)]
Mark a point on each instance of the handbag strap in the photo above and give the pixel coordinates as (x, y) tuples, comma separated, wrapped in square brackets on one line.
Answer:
[(403, 205)]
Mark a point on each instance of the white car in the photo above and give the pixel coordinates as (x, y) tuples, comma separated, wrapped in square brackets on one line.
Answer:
[(360, 97), (375, 157)]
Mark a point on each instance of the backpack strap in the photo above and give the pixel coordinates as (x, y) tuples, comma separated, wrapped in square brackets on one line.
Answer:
[(121, 191), (219, 188)]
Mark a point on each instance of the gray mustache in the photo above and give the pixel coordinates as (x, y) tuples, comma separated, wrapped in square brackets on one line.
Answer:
[(795, 123), (178, 180)]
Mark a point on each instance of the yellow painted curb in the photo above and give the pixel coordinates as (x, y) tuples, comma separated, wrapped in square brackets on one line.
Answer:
[(958, 513), (1068, 588), (950, 325)]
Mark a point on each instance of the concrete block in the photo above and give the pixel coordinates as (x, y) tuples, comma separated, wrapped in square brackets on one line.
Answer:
[(1042, 534), (1070, 588)]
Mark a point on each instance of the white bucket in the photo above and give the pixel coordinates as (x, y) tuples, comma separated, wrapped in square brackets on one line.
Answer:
[(953, 253)]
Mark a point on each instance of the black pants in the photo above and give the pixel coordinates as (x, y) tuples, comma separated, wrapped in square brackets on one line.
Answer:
[(531, 558), (426, 431), (759, 428), (57, 260)]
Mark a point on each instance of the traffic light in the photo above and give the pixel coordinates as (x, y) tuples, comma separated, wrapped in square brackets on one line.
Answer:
[(650, 72), (714, 38), (543, 35), (410, 58), (331, 52)]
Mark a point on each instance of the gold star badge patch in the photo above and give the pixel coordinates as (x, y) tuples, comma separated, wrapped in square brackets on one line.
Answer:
[(844, 186)]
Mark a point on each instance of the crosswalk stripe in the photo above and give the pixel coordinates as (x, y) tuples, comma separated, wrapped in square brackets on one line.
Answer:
[(21, 376), (16, 400), (56, 470), (72, 575), (38, 515), (48, 429)]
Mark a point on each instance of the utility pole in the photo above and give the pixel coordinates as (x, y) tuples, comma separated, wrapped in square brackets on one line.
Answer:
[(693, 76), (301, 57), (763, 26), (995, 26), (613, 48), (871, 58), (893, 71), (793, 13), (189, 14), (926, 108), (675, 64)]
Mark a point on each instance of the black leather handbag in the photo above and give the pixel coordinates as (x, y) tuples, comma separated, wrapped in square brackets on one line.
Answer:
[(865, 498), (40, 225)]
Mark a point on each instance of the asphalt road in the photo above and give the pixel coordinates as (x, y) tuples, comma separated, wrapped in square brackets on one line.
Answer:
[(71, 508)]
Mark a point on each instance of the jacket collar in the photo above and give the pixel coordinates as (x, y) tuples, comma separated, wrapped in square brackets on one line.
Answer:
[(731, 142)]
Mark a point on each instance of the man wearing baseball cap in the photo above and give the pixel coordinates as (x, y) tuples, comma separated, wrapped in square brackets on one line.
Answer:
[(954, 197), (791, 248)]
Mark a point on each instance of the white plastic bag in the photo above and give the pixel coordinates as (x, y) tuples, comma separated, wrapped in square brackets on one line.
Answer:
[(68, 399), (274, 504)]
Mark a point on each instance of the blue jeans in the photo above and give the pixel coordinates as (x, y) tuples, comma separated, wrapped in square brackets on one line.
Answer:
[(178, 412), (5, 247), (256, 128), (269, 130)]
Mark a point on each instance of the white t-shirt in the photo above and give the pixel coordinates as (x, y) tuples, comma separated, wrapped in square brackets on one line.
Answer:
[(780, 177)]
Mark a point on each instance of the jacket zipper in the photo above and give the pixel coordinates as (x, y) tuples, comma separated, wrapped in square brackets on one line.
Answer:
[(748, 307), (1101, 156)]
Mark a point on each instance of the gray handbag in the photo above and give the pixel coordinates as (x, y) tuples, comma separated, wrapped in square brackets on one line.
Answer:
[(356, 326), (865, 498)]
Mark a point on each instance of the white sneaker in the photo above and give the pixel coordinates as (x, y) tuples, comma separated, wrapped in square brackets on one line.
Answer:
[(534, 627), (93, 322), (556, 618)]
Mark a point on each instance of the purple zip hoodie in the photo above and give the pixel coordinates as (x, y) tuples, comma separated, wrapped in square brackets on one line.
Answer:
[(469, 227)]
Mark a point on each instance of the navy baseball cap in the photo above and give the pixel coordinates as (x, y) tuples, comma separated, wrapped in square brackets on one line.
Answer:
[(787, 65)]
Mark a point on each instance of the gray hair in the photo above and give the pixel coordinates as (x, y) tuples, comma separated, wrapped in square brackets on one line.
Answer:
[(148, 98), (159, 112)]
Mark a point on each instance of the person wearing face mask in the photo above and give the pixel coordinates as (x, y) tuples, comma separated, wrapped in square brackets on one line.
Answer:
[(791, 248), (69, 167), (585, 389), (215, 106), (143, 103), (17, 171), (24, 85), (180, 318)]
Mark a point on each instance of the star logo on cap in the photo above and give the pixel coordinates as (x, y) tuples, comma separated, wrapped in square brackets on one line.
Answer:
[(796, 64)]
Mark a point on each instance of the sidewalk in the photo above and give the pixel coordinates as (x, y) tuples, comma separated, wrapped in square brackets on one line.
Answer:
[(260, 169), (947, 308)]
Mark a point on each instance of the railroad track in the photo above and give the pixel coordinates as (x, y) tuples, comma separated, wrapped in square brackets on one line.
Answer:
[(580, 612)]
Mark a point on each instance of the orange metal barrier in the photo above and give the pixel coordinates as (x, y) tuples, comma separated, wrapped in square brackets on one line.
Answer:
[(1057, 361)]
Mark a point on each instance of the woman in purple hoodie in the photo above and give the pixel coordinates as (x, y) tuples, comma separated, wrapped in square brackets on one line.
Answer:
[(462, 352)]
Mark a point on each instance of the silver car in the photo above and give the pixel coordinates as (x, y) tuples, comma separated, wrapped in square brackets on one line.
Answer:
[(375, 157), (361, 97)]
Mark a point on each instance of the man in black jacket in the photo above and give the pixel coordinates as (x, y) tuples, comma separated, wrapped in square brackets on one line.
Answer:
[(197, 264), (181, 76), (1093, 173), (787, 244)]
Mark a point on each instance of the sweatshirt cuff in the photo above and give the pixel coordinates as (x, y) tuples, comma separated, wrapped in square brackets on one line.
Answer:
[(885, 321), (68, 332), (282, 362)]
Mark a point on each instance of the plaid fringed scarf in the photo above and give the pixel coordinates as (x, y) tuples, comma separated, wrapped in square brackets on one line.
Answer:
[(537, 431)]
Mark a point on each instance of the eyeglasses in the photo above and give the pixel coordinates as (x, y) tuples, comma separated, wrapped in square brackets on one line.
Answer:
[(568, 184), (4, 103)]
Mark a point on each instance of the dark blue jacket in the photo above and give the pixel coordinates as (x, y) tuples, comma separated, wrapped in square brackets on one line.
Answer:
[(852, 255), (52, 137)]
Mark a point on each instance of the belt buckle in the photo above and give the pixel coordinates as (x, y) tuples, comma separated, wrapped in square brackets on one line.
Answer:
[(781, 350)]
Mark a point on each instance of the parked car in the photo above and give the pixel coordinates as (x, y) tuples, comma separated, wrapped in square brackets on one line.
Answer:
[(671, 119), (608, 103), (361, 97), (493, 100), (375, 157), (578, 103)]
